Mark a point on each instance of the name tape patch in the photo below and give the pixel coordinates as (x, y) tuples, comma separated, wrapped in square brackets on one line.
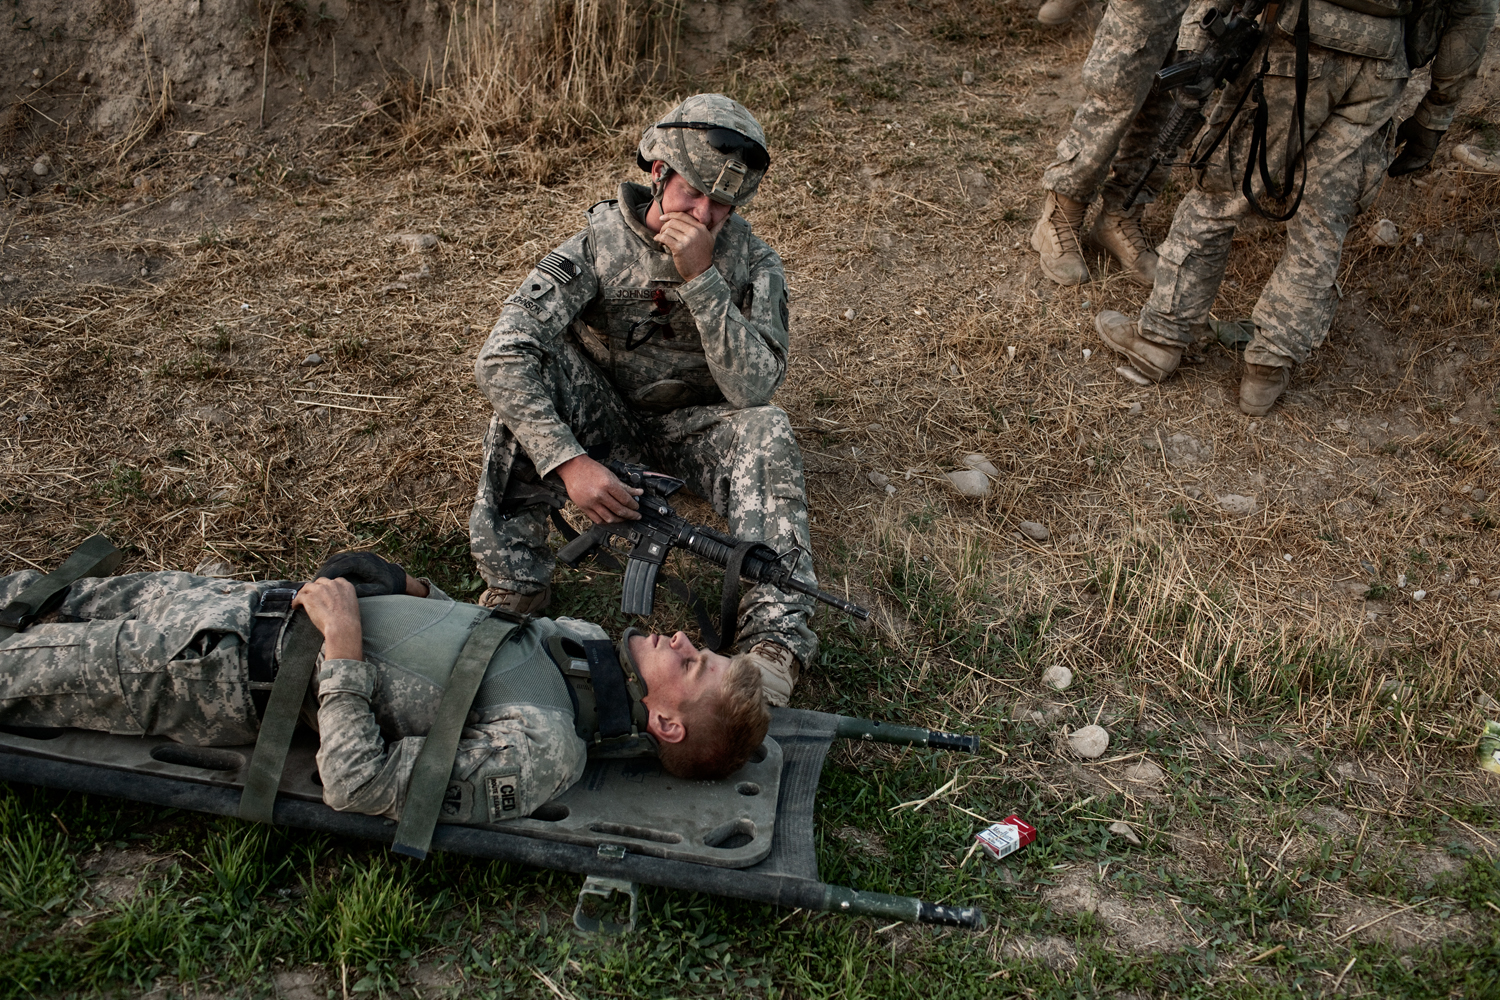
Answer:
[(503, 799)]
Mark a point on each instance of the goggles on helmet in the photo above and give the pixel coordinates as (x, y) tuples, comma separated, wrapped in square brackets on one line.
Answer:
[(729, 142)]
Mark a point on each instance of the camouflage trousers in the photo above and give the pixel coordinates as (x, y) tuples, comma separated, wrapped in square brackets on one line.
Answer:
[(139, 666), (745, 462), (1349, 104), (1113, 131)]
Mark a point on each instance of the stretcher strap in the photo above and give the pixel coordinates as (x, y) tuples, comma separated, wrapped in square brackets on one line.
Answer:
[(97, 556), (434, 766), (300, 642)]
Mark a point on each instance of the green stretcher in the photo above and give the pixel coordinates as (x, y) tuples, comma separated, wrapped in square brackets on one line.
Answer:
[(626, 823)]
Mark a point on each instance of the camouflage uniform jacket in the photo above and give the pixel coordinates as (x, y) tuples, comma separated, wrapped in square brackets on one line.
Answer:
[(661, 342), (164, 654)]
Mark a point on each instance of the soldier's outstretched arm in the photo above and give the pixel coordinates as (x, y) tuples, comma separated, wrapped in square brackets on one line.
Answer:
[(509, 368), (746, 351)]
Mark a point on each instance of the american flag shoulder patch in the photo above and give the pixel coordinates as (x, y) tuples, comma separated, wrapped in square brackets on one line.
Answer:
[(556, 266)]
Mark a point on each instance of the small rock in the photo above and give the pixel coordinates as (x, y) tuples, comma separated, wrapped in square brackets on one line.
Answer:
[(217, 417), (1058, 677), (194, 139), (83, 76), (1493, 595), (8, 279), (1010, 354), (1090, 742), (878, 479), (1287, 556), (970, 482), (1487, 705), (1478, 495), (1401, 579), (1125, 830), (1129, 373), (968, 78), (1419, 595), (1034, 531), (890, 490), (1385, 234), (979, 463), (240, 152), (312, 359), (876, 428), (4, 171), (36, 72), (415, 242), (849, 314), (412, 277), (1144, 773), (1342, 426), (42, 166), (1087, 354), (1194, 493), (1135, 409), (1233, 503)]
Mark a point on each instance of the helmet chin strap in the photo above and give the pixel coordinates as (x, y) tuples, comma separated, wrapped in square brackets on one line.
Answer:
[(659, 186)]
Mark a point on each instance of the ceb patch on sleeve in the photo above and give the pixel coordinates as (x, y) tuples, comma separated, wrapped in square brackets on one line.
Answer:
[(503, 794)]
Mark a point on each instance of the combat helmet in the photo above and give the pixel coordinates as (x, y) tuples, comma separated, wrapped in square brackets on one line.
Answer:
[(714, 143)]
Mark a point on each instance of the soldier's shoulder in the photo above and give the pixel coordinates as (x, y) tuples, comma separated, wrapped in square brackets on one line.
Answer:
[(601, 209)]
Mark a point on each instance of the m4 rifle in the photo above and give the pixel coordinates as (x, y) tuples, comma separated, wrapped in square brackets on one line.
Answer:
[(1232, 42), (661, 529)]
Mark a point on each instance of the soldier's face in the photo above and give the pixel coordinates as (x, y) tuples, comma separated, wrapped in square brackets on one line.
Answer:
[(680, 196), (677, 673)]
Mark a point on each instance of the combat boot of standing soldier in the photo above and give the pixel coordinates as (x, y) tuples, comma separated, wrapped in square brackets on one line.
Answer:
[(657, 335)]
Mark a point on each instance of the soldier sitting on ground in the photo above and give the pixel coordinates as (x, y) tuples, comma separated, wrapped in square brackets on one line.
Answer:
[(175, 655), (657, 335)]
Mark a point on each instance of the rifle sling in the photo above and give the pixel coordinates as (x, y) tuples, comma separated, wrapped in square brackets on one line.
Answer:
[(97, 556), (434, 766), (729, 606), (300, 642), (1260, 141)]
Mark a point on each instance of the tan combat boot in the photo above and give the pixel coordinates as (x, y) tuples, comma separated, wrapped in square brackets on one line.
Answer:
[(1123, 334), (1056, 239), (1261, 386), (1056, 13), (1122, 236), (779, 670), (516, 603)]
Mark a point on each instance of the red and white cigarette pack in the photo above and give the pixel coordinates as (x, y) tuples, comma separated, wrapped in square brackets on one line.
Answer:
[(1006, 837)]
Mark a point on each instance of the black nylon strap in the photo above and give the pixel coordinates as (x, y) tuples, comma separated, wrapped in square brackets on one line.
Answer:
[(97, 556), (611, 699), (1260, 141), (729, 604), (265, 634)]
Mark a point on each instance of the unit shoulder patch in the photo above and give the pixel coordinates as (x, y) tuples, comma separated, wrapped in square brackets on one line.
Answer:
[(558, 267)]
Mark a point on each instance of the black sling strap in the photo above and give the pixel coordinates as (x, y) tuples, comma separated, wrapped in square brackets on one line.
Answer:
[(1259, 141), (97, 556)]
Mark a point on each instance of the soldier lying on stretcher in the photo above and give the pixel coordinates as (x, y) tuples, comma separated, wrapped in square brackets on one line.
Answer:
[(182, 656)]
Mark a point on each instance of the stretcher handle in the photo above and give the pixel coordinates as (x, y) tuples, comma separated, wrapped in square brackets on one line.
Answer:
[(838, 899), (884, 732)]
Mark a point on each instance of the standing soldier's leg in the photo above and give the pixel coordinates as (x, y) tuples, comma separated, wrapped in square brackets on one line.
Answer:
[(1131, 44), (507, 530), (746, 463), (1345, 160)]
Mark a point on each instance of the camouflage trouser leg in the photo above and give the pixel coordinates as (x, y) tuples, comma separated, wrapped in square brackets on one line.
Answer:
[(510, 546), (1134, 153), (747, 464), (1133, 41), (121, 674), (1348, 103)]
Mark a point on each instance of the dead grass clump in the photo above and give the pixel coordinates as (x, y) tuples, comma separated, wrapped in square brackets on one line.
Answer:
[(555, 72)]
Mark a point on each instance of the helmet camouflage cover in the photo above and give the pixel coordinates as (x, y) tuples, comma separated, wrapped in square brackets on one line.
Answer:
[(714, 143)]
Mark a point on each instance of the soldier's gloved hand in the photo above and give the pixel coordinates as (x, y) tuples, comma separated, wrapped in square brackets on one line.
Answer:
[(371, 575), (598, 492), (1418, 146)]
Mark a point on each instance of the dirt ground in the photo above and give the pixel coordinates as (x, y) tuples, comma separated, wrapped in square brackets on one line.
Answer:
[(226, 347)]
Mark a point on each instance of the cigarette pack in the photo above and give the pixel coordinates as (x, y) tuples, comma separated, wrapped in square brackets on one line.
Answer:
[(1006, 837)]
